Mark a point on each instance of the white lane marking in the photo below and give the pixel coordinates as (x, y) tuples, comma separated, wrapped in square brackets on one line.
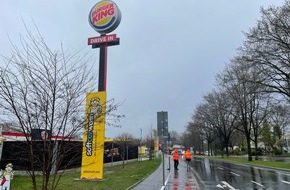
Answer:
[(220, 168), (228, 185), (219, 185), (163, 186), (234, 174), (257, 183), (280, 173), (287, 182)]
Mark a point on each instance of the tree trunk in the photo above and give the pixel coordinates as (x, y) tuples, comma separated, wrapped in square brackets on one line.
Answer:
[(256, 149), (249, 148)]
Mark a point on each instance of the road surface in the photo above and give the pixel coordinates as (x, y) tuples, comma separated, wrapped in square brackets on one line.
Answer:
[(214, 174)]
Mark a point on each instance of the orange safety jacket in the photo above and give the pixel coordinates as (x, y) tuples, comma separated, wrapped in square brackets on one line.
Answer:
[(175, 155), (187, 154)]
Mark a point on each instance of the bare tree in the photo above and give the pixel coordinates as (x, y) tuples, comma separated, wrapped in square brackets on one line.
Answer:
[(45, 90), (258, 118), (125, 140), (266, 53), (149, 141), (279, 120), (222, 116), (201, 127), (176, 136), (238, 80), (192, 136), (267, 47), (267, 137)]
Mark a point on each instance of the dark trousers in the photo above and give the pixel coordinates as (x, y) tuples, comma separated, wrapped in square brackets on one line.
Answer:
[(176, 162)]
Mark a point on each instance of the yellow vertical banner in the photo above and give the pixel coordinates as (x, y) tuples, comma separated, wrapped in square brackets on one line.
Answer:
[(94, 136), (156, 144)]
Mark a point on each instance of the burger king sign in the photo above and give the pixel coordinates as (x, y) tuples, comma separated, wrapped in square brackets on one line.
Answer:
[(105, 16)]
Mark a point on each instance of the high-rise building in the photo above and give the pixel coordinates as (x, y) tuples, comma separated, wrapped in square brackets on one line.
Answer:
[(162, 124)]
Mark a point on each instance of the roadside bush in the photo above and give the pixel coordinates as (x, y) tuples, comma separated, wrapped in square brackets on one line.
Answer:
[(277, 151), (258, 152), (237, 152)]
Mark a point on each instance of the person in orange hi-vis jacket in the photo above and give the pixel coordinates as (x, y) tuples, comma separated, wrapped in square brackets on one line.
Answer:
[(188, 155), (175, 159)]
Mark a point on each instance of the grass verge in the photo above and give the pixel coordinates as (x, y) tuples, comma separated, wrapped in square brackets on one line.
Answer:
[(115, 177), (271, 164)]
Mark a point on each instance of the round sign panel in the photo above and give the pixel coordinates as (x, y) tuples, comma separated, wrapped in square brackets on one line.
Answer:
[(105, 16)]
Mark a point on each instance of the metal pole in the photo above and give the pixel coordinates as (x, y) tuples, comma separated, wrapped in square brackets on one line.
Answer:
[(127, 153), (112, 154), (103, 68), (1, 141), (163, 148), (140, 146), (168, 163), (141, 137)]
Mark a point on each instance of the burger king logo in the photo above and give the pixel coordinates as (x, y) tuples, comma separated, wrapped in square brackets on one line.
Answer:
[(105, 16)]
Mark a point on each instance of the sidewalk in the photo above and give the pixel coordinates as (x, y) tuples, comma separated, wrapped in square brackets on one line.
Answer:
[(173, 179)]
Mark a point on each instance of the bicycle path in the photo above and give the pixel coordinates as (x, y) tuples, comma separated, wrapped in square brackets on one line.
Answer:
[(168, 178)]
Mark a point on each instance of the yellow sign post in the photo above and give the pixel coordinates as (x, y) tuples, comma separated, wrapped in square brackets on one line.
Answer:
[(94, 136)]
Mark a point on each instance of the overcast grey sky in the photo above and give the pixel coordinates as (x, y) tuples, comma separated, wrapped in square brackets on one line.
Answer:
[(169, 55)]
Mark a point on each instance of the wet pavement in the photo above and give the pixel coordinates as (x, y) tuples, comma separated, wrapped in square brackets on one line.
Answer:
[(219, 174), (166, 178)]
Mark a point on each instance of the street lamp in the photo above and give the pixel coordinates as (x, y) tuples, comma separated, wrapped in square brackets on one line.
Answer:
[(163, 148), (141, 137)]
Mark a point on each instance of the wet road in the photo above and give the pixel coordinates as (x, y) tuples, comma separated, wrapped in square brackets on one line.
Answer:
[(181, 179), (215, 174)]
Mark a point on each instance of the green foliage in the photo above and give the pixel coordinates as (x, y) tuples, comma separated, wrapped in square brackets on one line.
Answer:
[(277, 151), (258, 152), (115, 177), (239, 152)]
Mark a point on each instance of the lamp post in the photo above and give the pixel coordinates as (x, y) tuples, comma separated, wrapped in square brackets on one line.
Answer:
[(140, 148), (141, 137), (162, 131), (163, 148)]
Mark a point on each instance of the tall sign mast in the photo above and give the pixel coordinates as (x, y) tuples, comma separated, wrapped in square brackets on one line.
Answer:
[(104, 17)]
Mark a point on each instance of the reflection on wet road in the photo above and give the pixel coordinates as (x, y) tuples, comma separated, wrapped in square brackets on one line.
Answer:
[(216, 174), (182, 179)]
